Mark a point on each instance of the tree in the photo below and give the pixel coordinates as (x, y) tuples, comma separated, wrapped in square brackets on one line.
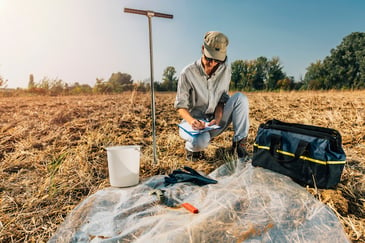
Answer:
[(169, 80), (249, 74), (258, 74), (31, 83), (77, 88), (285, 84), (101, 87), (315, 77), (343, 69), (346, 65), (244, 74), (120, 82), (237, 72), (275, 74)]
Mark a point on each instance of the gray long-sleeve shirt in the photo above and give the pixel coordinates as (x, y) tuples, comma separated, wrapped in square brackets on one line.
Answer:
[(198, 92)]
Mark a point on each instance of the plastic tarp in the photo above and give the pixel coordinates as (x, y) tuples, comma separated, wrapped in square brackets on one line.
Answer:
[(248, 204)]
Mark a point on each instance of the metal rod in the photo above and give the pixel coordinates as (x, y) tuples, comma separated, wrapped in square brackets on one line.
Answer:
[(151, 14), (152, 93)]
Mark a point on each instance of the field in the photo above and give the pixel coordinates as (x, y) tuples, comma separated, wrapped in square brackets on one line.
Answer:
[(52, 150)]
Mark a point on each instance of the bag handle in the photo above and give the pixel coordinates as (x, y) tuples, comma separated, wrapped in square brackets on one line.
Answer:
[(276, 144)]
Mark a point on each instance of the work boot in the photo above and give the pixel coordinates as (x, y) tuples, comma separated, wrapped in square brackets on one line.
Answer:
[(194, 156), (240, 148)]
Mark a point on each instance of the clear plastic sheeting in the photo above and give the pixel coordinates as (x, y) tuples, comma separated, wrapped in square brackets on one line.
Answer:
[(248, 204)]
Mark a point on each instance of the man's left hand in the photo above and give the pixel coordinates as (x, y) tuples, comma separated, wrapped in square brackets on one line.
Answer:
[(213, 122)]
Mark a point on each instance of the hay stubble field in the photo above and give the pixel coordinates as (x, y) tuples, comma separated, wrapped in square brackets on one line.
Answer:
[(52, 150)]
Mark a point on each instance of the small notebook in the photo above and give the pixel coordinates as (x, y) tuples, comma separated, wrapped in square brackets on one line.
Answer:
[(188, 129)]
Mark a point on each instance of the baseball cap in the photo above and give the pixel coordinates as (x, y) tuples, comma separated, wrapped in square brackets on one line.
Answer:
[(215, 45)]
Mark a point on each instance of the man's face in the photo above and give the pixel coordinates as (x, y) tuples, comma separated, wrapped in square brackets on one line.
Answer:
[(210, 65)]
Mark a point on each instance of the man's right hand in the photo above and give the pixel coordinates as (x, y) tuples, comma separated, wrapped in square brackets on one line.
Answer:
[(198, 124), (195, 124)]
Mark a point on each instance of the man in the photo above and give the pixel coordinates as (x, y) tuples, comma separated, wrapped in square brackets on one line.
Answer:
[(202, 95)]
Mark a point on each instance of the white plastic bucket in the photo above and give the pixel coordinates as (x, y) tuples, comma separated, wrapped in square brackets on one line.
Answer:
[(123, 165)]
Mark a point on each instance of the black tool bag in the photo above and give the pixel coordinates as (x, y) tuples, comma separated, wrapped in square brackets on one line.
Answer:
[(310, 155)]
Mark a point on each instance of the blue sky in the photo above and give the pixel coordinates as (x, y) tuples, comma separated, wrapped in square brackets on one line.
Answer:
[(81, 40)]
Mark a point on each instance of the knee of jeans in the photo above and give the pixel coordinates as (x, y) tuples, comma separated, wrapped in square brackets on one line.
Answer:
[(241, 99), (200, 142)]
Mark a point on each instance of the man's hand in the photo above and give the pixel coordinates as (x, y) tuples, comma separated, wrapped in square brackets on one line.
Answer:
[(198, 124), (213, 122), (195, 124)]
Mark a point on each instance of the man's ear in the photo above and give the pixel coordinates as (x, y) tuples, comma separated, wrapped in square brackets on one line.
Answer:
[(202, 49)]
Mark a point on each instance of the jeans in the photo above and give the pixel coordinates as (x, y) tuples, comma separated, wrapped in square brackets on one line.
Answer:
[(236, 110)]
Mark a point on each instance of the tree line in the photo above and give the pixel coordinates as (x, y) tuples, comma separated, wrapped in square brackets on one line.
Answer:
[(344, 68)]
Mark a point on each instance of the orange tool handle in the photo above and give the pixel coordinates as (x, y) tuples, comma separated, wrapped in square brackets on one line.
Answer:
[(190, 207)]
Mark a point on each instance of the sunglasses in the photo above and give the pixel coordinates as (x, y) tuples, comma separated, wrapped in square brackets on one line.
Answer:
[(208, 59)]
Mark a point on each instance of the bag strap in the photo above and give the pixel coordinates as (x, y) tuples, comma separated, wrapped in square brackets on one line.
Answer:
[(276, 145)]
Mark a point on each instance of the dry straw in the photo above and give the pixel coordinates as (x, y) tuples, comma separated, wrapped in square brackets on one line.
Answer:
[(52, 150)]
